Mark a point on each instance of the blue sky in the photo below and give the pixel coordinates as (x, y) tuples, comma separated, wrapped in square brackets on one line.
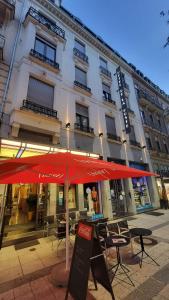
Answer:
[(132, 27)]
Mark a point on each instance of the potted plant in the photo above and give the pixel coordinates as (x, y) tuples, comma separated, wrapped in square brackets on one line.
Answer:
[(32, 202)]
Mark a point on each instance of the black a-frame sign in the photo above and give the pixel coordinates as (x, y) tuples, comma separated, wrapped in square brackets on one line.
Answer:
[(87, 255)]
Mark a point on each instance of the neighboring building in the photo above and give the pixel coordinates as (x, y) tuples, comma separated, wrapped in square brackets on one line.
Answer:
[(64, 93), (154, 111)]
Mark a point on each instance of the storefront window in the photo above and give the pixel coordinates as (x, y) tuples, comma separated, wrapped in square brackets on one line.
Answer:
[(60, 198), (140, 188), (91, 198)]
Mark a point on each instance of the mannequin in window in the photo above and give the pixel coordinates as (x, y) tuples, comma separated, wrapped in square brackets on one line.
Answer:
[(94, 197)]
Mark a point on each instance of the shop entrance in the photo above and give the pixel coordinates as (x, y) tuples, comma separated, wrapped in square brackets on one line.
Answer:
[(118, 198), (21, 204), (25, 209)]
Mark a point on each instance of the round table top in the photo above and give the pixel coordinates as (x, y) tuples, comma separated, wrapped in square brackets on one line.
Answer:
[(117, 241), (140, 231)]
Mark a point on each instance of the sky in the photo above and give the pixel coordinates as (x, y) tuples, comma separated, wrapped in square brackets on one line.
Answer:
[(134, 28)]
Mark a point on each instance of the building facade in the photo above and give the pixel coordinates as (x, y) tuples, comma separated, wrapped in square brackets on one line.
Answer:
[(154, 108), (64, 89)]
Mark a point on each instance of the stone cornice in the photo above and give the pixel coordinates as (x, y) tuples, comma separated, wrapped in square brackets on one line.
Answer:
[(68, 20), (61, 15), (148, 86)]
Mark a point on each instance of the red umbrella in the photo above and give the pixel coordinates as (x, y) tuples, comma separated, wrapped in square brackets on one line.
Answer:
[(64, 168), (59, 167)]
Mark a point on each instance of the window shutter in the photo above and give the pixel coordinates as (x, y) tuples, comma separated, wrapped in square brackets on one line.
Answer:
[(106, 88), (80, 76), (80, 46), (40, 93), (81, 110), (103, 63), (132, 134), (110, 124)]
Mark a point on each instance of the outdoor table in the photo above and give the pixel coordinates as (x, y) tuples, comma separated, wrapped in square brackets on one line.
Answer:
[(118, 242), (142, 232)]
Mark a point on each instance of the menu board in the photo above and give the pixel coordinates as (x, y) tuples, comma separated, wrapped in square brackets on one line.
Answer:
[(87, 254), (80, 266)]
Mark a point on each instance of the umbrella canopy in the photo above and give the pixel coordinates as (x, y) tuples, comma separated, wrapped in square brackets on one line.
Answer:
[(63, 168), (59, 167)]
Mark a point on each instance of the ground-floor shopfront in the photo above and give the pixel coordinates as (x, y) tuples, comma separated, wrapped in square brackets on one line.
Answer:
[(27, 205), (161, 167)]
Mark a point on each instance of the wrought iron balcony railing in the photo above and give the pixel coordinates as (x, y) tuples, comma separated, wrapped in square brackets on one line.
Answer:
[(126, 86), (154, 126), (135, 143), (105, 72), (113, 137), (46, 22), (30, 105), (151, 99), (109, 101), (107, 96), (45, 59), (82, 86), (84, 128), (80, 55)]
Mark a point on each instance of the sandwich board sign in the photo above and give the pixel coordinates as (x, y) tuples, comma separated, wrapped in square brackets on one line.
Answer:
[(87, 255)]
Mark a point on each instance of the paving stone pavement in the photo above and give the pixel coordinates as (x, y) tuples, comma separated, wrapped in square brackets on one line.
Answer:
[(26, 274)]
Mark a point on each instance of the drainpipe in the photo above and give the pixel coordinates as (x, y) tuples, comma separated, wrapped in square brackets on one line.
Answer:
[(12, 62)]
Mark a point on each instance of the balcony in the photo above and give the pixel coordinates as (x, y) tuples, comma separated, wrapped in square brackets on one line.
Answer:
[(38, 18), (30, 105), (113, 137), (7, 9), (82, 86), (146, 98), (154, 126), (2, 44), (38, 56), (126, 86), (82, 56), (107, 98), (135, 143), (105, 72), (86, 129)]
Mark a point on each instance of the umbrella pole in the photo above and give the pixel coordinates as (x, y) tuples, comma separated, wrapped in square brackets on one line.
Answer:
[(67, 222)]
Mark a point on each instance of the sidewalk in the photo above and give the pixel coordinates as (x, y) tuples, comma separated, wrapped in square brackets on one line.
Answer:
[(26, 273)]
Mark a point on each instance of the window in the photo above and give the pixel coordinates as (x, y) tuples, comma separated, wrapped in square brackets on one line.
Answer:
[(80, 46), (142, 113), (165, 147), (80, 76), (148, 142), (82, 118), (132, 135), (40, 93), (103, 63), (158, 144), (127, 102), (33, 136), (110, 125), (151, 119), (159, 122), (45, 49), (106, 91)]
